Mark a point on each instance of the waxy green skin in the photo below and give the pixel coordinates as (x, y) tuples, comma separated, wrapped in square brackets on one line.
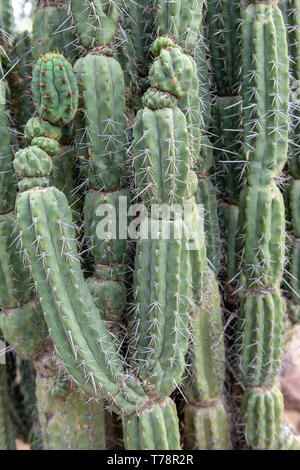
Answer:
[(259, 343), (207, 355), (25, 329), (172, 71), (291, 14), (64, 178), (19, 82), (135, 53), (112, 249), (155, 133), (67, 421), (207, 428), (190, 106), (262, 225), (230, 218), (265, 127), (153, 428), (229, 167), (161, 293), (49, 235), (163, 172), (290, 10), (180, 21), (102, 160), (224, 34), (65, 298), (261, 412), (15, 283), (100, 124), (52, 32), (6, 23), (227, 140), (206, 195), (7, 178), (95, 21), (54, 89)]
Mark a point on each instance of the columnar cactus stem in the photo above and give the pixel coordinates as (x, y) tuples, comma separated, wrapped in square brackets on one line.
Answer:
[(291, 14), (52, 30), (6, 25), (18, 322), (181, 21), (19, 82), (262, 226), (223, 30)]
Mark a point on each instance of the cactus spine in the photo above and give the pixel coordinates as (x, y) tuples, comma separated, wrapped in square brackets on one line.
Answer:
[(262, 226)]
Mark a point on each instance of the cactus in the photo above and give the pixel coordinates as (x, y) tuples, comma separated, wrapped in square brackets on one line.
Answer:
[(19, 82), (262, 226), (6, 25), (68, 422), (223, 30), (202, 117), (261, 410), (52, 31), (291, 15), (207, 427)]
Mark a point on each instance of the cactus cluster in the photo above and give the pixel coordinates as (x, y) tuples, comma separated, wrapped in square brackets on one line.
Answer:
[(148, 177)]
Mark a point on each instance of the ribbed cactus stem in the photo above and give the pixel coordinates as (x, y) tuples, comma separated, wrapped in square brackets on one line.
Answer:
[(291, 14), (262, 225)]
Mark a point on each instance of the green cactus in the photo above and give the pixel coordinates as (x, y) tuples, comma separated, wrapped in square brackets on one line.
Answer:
[(6, 25), (22, 322), (180, 20), (7, 178), (95, 21), (25, 329), (136, 30), (223, 29), (223, 32), (151, 429), (262, 224), (19, 82), (67, 421), (207, 428), (200, 118), (291, 15), (52, 32), (100, 141), (54, 89), (261, 414)]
